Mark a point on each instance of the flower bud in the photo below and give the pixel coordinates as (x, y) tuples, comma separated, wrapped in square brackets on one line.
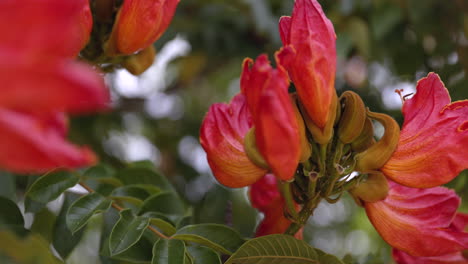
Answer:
[(373, 189), (250, 148), (306, 148), (140, 62), (378, 154), (365, 139), (353, 117), (321, 135)]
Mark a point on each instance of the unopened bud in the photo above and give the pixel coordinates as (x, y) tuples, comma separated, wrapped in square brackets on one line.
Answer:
[(250, 147), (353, 117), (306, 148), (365, 139), (140, 62), (373, 189), (378, 154), (322, 135)]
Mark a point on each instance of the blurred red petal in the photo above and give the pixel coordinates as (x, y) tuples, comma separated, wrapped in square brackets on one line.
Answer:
[(139, 23), (276, 128), (418, 221), (312, 65), (53, 85), (34, 144), (222, 136), (433, 145), (43, 28)]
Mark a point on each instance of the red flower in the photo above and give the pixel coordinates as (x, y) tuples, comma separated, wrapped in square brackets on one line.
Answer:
[(309, 56), (265, 196), (433, 144), (40, 81), (419, 221), (459, 224), (276, 127), (139, 23), (222, 136)]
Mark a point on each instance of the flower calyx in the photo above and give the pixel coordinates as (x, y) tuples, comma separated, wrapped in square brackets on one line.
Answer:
[(372, 189), (353, 117), (250, 147)]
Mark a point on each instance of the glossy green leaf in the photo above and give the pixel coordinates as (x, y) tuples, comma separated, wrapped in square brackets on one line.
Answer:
[(167, 228), (282, 249), (218, 237), (143, 175), (84, 208), (44, 224), (63, 240), (141, 252), (49, 187), (203, 255), (127, 231), (168, 251), (99, 171), (10, 214), (325, 258), (167, 203)]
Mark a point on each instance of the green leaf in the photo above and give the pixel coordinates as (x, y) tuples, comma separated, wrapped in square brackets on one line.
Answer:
[(167, 203), (63, 240), (143, 175), (7, 185), (138, 253), (325, 258), (10, 214), (49, 186), (168, 251), (43, 224), (84, 208), (282, 249), (167, 228), (127, 231), (218, 237), (99, 171), (32, 249), (203, 255)]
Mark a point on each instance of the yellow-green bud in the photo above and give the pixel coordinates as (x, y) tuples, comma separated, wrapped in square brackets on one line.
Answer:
[(250, 147), (140, 62), (378, 154), (373, 189), (353, 117), (365, 139)]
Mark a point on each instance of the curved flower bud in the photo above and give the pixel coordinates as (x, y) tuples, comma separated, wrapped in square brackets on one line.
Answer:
[(140, 62), (222, 137), (372, 189), (276, 128), (433, 146), (460, 222), (139, 24), (265, 196), (378, 154), (365, 139), (309, 56), (31, 143), (352, 118), (415, 220)]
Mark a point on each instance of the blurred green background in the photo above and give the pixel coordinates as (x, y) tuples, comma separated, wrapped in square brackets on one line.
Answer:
[(382, 45)]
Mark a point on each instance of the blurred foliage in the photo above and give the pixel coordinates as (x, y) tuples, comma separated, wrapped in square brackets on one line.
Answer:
[(381, 45)]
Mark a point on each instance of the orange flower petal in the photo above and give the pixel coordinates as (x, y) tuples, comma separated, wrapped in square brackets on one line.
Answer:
[(433, 144), (310, 57), (139, 23), (222, 136), (36, 144), (276, 128), (418, 221)]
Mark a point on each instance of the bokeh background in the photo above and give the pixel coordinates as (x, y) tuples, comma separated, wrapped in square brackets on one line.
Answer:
[(382, 45)]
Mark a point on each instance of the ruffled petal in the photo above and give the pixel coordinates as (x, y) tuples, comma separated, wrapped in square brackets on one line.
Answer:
[(139, 23), (433, 145), (418, 221), (276, 127), (310, 57), (52, 85), (222, 136), (35, 144)]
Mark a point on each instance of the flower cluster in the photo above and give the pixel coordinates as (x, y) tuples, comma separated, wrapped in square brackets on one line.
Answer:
[(41, 82), (288, 123)]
